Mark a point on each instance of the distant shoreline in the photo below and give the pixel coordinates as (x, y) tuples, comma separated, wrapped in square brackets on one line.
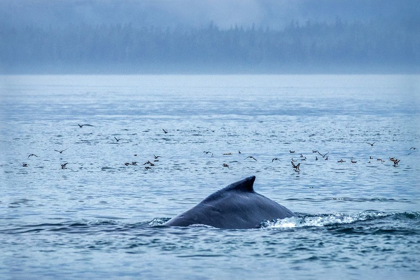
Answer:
[(205, 70)]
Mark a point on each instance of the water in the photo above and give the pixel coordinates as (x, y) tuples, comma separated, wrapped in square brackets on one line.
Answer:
[(100, 218)]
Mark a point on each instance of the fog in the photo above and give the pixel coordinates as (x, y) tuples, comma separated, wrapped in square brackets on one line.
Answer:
[(211, 36)]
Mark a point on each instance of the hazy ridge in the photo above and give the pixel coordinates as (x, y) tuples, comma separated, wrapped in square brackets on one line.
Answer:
[(211, 37)]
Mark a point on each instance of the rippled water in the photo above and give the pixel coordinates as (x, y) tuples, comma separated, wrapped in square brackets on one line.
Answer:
[(100, 218)]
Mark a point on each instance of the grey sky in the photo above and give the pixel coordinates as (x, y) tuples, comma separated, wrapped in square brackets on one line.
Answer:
[(192, 13)]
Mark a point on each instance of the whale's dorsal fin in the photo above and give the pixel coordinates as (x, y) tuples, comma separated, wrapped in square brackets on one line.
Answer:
[(245, 185)]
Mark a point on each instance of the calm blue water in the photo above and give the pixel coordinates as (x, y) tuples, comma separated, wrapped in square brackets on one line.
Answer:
[(100, 218)]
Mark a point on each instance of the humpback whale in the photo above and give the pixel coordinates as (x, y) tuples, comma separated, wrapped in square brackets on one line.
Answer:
[(236, 206)]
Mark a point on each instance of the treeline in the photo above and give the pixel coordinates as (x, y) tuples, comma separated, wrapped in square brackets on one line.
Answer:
[(309, 47)]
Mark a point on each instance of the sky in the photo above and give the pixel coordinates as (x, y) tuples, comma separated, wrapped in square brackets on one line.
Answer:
[(196, 14)]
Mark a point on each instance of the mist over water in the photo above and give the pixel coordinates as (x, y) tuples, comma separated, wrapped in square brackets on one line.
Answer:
[(101, 218), (275, 14), (209, 37)]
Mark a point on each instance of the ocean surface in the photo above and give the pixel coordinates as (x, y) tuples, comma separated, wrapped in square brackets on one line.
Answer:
[(101, 216)]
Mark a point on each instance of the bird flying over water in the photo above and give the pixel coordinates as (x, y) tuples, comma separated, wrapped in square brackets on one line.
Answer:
[(413, 149), (371, 144), (296, 166), (85, 124), (395, 161), (323, 155), (32, 155), (149, 163), (251, 158), (60, 151)]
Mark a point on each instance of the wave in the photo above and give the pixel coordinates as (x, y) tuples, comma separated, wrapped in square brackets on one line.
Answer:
[(324, 220)]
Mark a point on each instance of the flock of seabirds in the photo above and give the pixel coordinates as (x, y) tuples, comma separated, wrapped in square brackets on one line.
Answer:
[(294, 162)]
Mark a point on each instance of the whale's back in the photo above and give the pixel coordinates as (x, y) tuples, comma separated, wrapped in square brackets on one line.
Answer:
[(235, 206)]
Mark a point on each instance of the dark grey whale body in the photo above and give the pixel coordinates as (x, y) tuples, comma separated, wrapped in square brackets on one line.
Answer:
[(236, 206)]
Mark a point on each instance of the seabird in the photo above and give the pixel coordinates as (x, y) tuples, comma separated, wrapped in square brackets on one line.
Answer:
[(395, 161), (296, 167), (32, 155), (323, 155), (414, 150), (251, 157), (60, 151), (82, 125)]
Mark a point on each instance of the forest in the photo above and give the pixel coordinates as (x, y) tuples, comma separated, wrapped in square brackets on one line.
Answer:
[(309, 47)]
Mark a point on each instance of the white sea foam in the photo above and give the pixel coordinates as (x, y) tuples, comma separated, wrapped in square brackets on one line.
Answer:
[(323, 220)]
